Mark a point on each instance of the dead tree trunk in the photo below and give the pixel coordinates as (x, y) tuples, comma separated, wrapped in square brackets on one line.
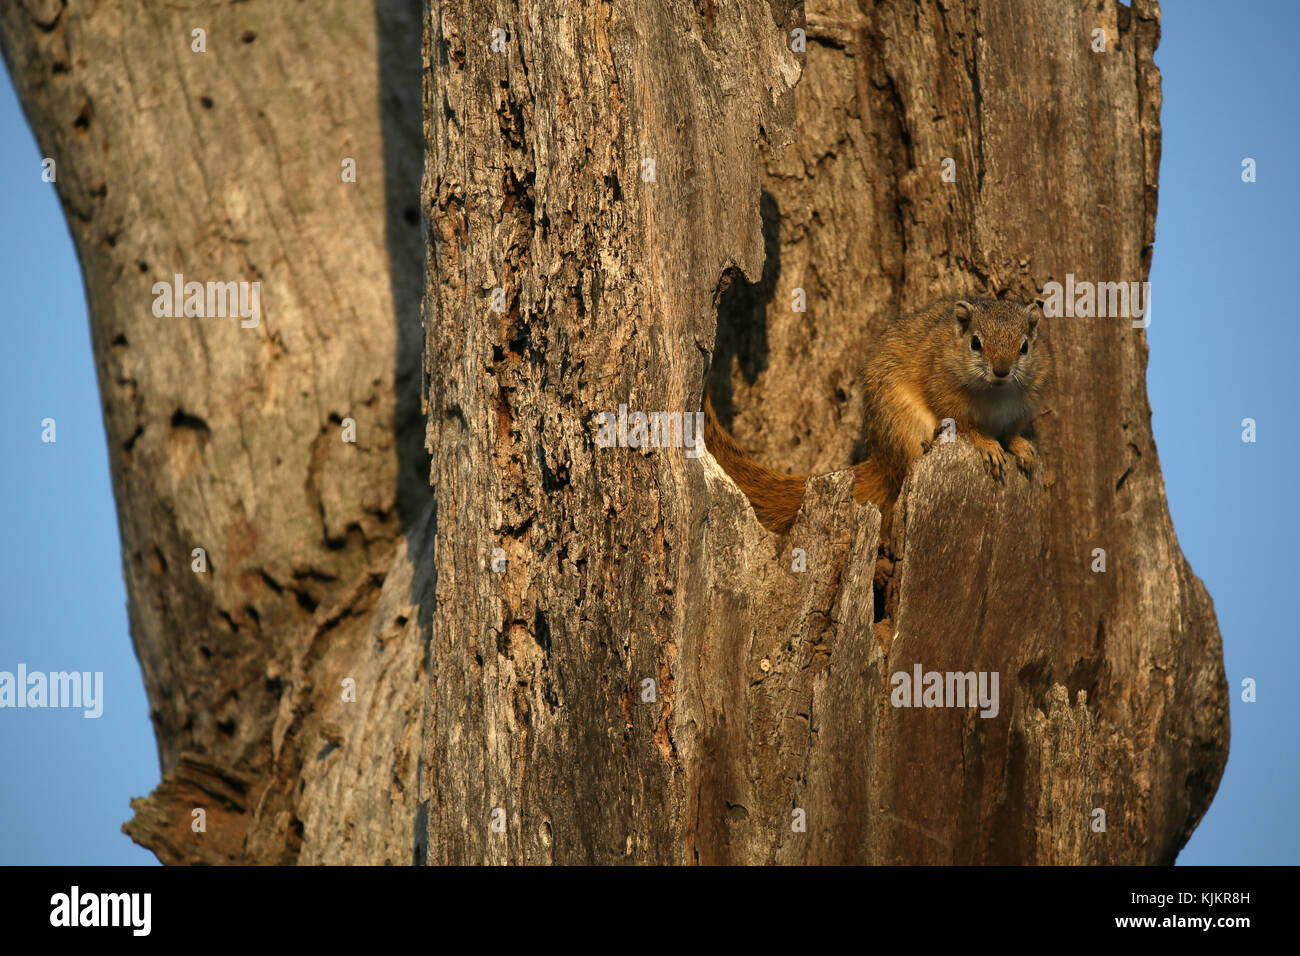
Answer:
[(596, 175), (227, 165), (613, 661)]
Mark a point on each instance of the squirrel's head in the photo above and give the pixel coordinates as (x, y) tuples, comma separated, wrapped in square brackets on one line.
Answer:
[(997, 342)]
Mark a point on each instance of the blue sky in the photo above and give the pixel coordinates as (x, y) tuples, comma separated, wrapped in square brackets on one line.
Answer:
[(65, 780), (1224, 347)]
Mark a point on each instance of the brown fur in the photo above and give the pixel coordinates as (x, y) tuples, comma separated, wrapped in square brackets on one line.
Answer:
[(923, 370)]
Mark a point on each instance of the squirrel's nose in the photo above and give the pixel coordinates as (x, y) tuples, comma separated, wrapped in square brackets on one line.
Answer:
[(1002, 372)]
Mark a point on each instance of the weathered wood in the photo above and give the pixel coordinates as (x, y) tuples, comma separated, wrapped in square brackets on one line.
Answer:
[(625, 564), (226, 166), (524, 690)]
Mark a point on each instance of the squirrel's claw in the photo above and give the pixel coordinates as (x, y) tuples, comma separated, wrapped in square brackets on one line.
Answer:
[(1024, 453), (995, 459)]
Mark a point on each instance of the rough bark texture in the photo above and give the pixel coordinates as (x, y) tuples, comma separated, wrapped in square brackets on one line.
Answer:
[(503, 717), (225, 166), (773, 687)]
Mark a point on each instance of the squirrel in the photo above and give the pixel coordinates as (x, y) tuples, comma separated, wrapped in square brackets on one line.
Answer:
[(978, 362)]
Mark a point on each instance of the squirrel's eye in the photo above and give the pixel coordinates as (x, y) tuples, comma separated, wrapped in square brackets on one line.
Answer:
[(1024, 347), (974, 343)]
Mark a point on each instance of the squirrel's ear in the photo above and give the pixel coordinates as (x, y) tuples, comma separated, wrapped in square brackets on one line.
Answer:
[(1033, 312), (963, 311)]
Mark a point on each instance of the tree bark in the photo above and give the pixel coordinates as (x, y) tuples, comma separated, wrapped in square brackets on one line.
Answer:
[(649, 679), (226, 165), (776, 171)]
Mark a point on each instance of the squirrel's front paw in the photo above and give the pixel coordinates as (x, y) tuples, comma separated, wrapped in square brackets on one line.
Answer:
[(1023, 450), (995, 459)]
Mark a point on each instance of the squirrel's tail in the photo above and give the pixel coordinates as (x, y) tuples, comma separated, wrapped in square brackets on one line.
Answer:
[(776, 498)]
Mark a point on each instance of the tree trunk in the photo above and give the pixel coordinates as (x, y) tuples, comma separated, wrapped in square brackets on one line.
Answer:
[(822, 172), (226, 165), (646, 677)]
